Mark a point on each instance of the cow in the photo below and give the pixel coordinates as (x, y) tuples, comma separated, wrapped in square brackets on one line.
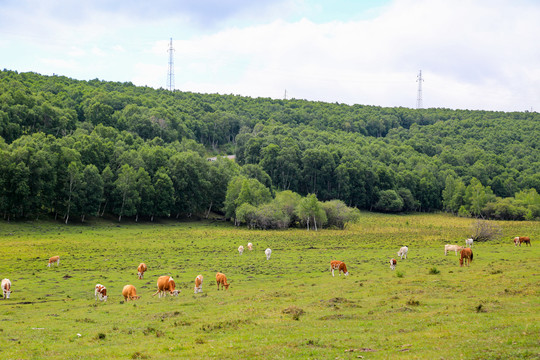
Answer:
[(250, 246), (466, 254), (240, 249), (522, 239), (54, 259), (141, 269), (268, 252), (340, 266), (469, 242), (393, 263), (198, 283), (100, 293), (403, 252), (222, 279), (166, 284), (449, 247), (130, 293), (6, 288)]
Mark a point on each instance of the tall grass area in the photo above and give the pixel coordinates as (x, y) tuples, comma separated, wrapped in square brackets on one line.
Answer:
[(287, 307)]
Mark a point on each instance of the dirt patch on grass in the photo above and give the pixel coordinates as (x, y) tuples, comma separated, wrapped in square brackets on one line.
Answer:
[(294, 311), (222, 325), (337, 317)]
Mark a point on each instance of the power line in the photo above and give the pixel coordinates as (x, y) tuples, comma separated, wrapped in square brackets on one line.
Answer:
[(419, 80), (170, 72)]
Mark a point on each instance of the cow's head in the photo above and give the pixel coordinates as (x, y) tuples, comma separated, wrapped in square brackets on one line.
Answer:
[(175, 292), (140, 275)]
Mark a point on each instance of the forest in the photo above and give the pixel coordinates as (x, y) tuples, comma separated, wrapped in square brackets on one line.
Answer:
[(71, 149)]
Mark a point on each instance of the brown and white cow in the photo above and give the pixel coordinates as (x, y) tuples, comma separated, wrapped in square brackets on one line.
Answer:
[(100, 292), (518, 240), (166, 284), (141, 269), (449, 247), (6, 288), (198, 284), (240, 249), (54, 259), (250, 246), (130, 293), (467, 255), (222, 279), (393, 263), (340, 266)]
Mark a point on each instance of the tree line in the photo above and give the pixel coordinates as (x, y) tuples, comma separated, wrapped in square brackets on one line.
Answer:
[(68, 145)]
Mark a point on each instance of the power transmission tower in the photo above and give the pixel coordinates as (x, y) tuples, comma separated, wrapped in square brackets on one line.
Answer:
[(285, 97), (419, 80), (170, 72)]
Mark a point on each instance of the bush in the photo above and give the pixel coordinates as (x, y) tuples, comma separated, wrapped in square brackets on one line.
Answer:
[(389, 201), (338, 214), (485, 231)]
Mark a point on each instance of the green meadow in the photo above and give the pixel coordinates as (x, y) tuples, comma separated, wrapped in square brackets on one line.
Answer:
[(287, 307)]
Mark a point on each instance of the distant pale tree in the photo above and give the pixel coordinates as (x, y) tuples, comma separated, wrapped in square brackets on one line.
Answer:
[(92, 191), (310, 210), (126, 192)]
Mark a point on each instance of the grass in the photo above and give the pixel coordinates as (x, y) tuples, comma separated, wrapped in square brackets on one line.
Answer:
[(287, 307)]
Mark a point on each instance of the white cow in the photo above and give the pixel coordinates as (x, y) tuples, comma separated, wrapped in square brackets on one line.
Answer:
[(268, 252), (449, 247), (240, 249), (403, 252), (250, 246), (469, 242), (6, 288)]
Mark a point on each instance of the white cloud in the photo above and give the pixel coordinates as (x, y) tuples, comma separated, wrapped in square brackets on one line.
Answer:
[(474, 54)]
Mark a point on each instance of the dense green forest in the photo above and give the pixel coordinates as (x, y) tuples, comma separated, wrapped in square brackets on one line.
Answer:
[(81, 148)]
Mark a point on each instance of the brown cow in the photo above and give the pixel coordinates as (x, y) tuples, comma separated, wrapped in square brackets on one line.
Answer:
[(522, 239), (393, 263), (166, 284), (130, 293), (222, 279), (141, 269), (100, 293), (466, 254), (54, 259), (340, 266), (198, 284), (6, 288)]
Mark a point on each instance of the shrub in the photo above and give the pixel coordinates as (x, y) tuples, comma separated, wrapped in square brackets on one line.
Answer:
[(485, 231), (434, 271)]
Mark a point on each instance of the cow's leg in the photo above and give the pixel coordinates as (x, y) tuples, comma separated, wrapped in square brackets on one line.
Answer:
[(332, 271)]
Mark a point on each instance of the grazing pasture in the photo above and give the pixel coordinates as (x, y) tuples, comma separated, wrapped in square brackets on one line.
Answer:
[(289, 307)]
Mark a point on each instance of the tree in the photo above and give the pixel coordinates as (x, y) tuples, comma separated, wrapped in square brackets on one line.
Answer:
[(477, 196), (92, 191), (73, 186), (389, 201), (127, 196), (146, 192), (164, 194), (338, 214), (242, 190), (310, 210)]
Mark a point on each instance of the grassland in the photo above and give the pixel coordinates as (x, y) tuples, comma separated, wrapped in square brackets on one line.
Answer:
[(287, 307)]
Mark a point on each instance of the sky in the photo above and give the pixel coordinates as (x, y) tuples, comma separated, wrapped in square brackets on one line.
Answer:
[(473, 54)]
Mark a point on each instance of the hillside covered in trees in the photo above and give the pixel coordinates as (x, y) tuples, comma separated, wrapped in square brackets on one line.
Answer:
[(79, 148)]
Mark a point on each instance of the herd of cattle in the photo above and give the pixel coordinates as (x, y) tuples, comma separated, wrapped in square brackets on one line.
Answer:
[(166, 284)]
